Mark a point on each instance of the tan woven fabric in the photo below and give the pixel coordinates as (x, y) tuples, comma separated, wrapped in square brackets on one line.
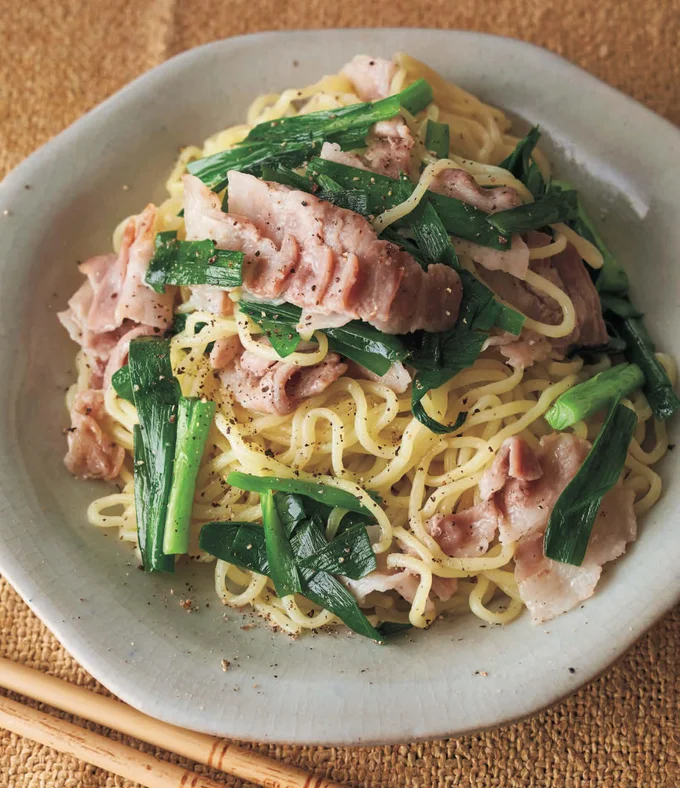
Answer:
[(60, 58)]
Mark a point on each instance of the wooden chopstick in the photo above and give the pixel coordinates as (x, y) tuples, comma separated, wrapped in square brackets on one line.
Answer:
[(115, 714), (95, 749)]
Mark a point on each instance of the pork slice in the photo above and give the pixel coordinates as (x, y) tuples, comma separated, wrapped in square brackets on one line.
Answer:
[(514, 260), (521, 351), (396, 378), (525, 485), (567, 271), (137, 301), (389, 148), (224, 351), (580, 288), (331, 151), (104, 282), (325, 259), (515, 459), (92, 454), (268, 266), (444, 587), (460, 185), (115, 298), (371, 77), (311, 381), (549, 588), (276, 387), (468, 532), (207, 298), (119, 354)]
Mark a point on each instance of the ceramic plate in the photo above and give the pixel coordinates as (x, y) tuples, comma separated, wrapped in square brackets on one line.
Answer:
[(127, 628)]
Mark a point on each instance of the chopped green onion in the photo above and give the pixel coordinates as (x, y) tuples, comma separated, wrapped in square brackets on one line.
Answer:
[(437, 138), (621, 306), (356, 340), (658, 388), (522, 166), (331, 496), (192, 263), (156, 395), (587, 398), (458, 217), (554, 207), (241, 544), (350, 555), (194, 418), (323, 589), (291, 509), (291, 141), (122, 385), (572, 519), (288, 177), (611, 278), (283, 571)]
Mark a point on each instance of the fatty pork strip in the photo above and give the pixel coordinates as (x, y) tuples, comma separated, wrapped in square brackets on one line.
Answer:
[(276, 387), (113, 306), (324, 259), (567, 271), (518, 494)]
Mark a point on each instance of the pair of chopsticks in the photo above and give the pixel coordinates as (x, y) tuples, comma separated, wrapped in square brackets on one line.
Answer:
[(126, 761)]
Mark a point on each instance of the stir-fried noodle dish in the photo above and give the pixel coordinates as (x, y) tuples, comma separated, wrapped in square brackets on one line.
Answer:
[(372, 362)]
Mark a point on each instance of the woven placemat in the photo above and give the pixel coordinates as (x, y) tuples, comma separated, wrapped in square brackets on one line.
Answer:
[(60, 58)]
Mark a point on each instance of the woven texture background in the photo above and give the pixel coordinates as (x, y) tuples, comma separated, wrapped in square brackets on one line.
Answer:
[(60, 58)]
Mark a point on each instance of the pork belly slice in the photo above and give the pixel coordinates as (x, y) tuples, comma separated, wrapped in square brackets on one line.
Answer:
[(114, 299), (567, 271), (467, 533), (276, 387), (524, 486), (92, 454), (371, 77), (325, 259)]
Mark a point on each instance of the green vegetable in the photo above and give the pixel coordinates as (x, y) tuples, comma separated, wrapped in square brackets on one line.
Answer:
[(244, 544), (192, 263), (382, 192), (572, 518), (156, 396), (592, 395), (291, 141), (619, 305), (350, 199), (122, 385), (283, 571), (194, 417), (288, 177), (331, 496), (437, 138), (350, 554), (611, 278), (323, 589), (278, 323), (439, 357), (522, 166), (356, 340), (554, 207), (241, 544), (658, 388), (326, 123)]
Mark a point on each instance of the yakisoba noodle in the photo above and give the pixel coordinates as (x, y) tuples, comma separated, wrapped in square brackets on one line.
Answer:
[(359, 435)]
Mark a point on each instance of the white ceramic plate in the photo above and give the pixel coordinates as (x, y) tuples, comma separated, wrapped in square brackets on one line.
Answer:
[(124, 626)]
